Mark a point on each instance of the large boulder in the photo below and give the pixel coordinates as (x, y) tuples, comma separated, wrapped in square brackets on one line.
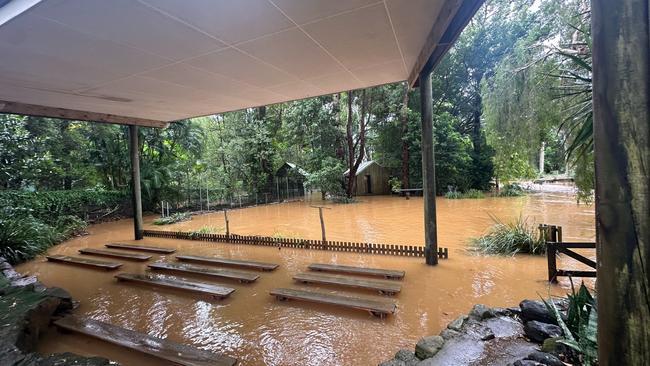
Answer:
[(536, 310), (408, 357), (538, 331), (545, 358), (427, 347), (527, 363)]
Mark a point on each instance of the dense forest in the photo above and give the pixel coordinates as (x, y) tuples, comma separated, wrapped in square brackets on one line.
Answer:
[(512, 100)]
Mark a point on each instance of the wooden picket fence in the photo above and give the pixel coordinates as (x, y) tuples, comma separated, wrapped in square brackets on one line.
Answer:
[(337, 246)]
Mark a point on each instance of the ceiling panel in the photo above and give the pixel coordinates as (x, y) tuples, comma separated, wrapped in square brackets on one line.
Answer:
[(304, 11), (358, 38), (232, 21), (132, 23)]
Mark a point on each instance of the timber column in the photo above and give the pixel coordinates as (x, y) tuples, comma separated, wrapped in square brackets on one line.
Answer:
[(621, 98), (134, 150), (428, 171)]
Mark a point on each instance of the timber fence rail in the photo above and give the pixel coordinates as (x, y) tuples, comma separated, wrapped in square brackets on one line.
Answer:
[(552, 235), (331, 245)]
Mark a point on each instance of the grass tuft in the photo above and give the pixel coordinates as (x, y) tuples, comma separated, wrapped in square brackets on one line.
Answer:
[(510, 238), (471, 194), (173, 218)]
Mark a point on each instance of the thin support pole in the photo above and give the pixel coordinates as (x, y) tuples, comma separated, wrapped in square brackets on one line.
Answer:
[(135, 182), (322, 223), (225, 216), (428, 172)]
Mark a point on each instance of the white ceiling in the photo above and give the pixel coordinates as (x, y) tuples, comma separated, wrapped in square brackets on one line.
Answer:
[(173, 59)]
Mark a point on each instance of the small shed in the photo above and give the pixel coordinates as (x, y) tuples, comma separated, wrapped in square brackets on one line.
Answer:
[(290, 180), (372, 179)]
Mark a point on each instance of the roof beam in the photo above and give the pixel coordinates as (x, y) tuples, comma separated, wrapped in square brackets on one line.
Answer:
[(452, 19), (71, 114)]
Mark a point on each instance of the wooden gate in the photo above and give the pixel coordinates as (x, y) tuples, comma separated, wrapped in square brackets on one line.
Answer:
[(552, 235)]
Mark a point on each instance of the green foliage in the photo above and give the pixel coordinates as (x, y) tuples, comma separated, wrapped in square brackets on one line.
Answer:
[(395, 184), (580, 327), (328, 179), (471, 194), (209, 230), (453, 195), (511, 190), (173, 218), (510, 238), (22, 236)]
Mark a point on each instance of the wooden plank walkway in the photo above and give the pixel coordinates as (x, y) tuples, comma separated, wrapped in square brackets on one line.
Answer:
[(160, 348), (387, 273), (229, 262), (207, 271), (92, 263), (142, 248), (375, 307), (384, 287), (114, 254), (215, 291)]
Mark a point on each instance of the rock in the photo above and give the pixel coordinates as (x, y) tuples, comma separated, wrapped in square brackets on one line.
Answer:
[(545, 358), (478, 330), (552, 346), (504, 326), (457, 324), (527, 363), (481, 312), (448, 334), (427, 347), (536, 310), (407, 357), (538, 331), (65, 299)]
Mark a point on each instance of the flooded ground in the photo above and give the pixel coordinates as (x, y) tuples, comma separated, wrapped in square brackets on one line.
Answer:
[(257, 329)]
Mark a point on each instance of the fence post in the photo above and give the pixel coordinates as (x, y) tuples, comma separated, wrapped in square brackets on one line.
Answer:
[(551, 259), (225, 215)]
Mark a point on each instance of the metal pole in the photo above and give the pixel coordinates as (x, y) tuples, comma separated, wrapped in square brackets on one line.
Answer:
[(135, 181), (428, 172)]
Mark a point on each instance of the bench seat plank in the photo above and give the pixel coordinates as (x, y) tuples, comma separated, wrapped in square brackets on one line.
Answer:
[(160, 348), (375, 307), (385, 287), (387, 273), (114, 254), (83, 262), (142, 248), (206, 271), (213, 290), (227, 261)]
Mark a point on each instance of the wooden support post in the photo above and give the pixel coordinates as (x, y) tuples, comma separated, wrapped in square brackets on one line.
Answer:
[(428, 172), (621, 100), (135, 181), (225, 216), (322, 223), (551, 256)]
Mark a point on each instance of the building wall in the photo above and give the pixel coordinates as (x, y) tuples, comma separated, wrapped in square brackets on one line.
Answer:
[(378, 180)]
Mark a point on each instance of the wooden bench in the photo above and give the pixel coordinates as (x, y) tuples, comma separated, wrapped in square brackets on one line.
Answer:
[(386, 273), (110, 253), (228, 262), (206, 271), (215, 291), (160, 348), (83, 262), (375, 307), (142, 248), (384, 287)]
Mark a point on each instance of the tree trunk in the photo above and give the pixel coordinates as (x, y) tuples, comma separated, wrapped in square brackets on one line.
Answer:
[(404, 116), (476, 126), (621, 84), (541, 158), (353, 163)]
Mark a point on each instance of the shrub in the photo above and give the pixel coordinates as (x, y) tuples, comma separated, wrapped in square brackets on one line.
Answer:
[(173, 218), (453, 195), (208, 230), (580, 326), (511, 190), (22, 236), (511, 238), (472, 193)]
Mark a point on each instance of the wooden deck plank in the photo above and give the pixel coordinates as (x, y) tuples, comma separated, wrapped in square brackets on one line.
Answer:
[(191, 286), (387, 273), (207, 271), (83, 262), (160, 348), (384, 287), (375, 307), (114, 254), (142, 248), (227, 261)]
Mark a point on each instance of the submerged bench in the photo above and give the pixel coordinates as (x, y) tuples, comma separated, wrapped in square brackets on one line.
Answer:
[(110, 253), (206, 271), (387, 273), (83, 262), (384, 287), (229, 262), (215, 291), (142, 248), (375, 307), (161, 348)]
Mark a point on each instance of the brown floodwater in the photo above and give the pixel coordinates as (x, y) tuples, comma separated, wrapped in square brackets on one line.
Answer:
[(257, 329)]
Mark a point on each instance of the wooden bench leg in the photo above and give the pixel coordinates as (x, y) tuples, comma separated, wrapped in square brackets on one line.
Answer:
[(378, 314)]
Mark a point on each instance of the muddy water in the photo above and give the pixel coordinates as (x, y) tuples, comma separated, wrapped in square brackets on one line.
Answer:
[(255, 328)]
